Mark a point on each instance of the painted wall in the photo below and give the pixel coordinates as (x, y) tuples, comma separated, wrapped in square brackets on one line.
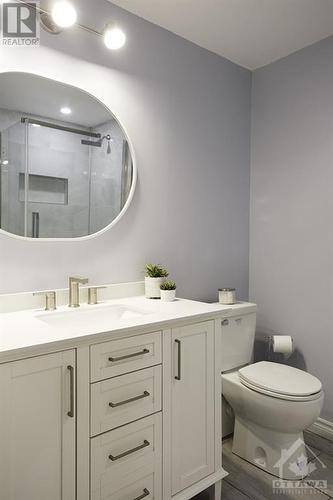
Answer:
[(291, 256), (187, 113)]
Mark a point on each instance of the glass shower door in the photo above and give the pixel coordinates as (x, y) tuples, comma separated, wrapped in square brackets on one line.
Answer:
[(12, 167), (58, 184)]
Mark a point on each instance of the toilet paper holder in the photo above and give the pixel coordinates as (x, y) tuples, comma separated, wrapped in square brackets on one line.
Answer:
[(280, 345)]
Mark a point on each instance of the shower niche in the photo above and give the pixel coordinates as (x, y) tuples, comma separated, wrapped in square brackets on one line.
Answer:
[(44, 189), (66, 165)]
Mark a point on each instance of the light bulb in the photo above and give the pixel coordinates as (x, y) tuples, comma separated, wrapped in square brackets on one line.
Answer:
[(114, 37), (65, 110), (64, 14)]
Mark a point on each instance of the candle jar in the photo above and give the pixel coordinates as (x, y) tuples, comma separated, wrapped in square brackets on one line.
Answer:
[(227, 296)]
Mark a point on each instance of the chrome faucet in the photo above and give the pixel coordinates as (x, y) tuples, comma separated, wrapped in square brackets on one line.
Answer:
[(74, 292)]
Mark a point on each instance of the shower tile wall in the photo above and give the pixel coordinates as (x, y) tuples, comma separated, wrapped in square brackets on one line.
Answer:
[(106, 171)]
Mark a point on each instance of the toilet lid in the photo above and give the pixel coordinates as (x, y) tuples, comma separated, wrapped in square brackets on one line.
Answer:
[(279, 379)]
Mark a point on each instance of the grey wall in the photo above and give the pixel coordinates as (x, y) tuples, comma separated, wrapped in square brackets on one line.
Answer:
[(187, 112), (291, 256)]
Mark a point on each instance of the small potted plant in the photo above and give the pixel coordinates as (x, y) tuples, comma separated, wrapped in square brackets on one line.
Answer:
[(155, 276), (168, 291)]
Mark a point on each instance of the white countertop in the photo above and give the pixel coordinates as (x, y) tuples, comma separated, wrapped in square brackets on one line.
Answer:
[(23, 333)]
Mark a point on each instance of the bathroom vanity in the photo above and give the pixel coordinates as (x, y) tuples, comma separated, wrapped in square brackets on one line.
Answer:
[(115, 401)]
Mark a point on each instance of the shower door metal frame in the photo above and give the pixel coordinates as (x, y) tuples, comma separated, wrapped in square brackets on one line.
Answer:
[(26, 179), (33, 121)]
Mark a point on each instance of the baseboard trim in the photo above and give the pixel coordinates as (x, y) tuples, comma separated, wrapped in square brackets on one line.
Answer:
[(323, 428)]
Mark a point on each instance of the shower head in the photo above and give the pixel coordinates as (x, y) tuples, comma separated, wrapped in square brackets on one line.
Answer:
[(108, 138), (98, 143)]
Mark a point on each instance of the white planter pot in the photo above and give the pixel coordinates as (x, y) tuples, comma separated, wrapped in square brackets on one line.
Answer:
[(152, 287), (168, 295)]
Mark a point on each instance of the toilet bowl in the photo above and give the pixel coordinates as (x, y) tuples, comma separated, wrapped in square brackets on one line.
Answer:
[(273, 404)]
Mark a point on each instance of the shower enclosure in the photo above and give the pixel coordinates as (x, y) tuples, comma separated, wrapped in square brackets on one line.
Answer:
[(58, 179)]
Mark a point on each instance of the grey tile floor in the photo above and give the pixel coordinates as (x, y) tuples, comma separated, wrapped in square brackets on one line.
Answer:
[(245, 481)]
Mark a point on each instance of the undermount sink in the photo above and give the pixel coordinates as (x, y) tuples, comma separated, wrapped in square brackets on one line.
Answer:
[(97, 316)]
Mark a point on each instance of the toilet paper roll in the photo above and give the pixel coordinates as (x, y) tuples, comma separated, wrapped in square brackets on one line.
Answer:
[(282, 344)]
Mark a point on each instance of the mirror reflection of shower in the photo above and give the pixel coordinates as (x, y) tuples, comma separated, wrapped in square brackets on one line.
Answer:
[(60, 176)]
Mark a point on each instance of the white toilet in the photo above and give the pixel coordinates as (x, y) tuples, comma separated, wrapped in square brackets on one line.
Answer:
[(273, 403)]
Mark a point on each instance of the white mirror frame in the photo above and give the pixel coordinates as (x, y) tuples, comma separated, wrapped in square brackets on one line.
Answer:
[(134, 180)]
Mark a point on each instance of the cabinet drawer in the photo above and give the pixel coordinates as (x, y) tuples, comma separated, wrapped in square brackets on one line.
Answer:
[(120, 400), (127, 460), (139, 486), (116, 357)]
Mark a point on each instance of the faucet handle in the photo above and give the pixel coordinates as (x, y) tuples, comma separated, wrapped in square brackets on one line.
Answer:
[(77, 279), (50, 299), (92, 294)]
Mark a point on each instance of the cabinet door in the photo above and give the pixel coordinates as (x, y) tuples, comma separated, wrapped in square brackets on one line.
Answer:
[(192, 404), (37, 428)]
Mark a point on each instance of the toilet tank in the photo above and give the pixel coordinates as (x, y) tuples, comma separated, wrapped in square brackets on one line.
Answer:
[(238, 331)]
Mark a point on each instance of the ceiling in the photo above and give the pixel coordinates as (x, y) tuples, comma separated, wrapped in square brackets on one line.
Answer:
[(42, 97), (251, 33)]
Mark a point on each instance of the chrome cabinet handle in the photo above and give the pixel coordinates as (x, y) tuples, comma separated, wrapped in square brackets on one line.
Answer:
[(127, 356), (144, 494), (179, 365), (70, 413), (113, 458), (130, 400), (225, 322)]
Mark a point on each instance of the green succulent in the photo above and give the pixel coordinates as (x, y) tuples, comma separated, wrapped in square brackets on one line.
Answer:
[(156, 271), (168, 285)]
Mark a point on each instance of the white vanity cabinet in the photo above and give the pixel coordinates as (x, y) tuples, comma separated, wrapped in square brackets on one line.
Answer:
[(37, 428), (192, 405), (129, 415)]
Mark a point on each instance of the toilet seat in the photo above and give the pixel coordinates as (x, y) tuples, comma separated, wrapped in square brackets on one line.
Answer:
[(280, 381)]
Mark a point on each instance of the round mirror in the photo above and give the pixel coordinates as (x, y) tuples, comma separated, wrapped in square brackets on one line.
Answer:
[(66, 166)]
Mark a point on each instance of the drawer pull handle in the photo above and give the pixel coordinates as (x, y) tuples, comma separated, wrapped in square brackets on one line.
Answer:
[(130, 400), (127, 356), (225, 322), (113, 458), (144, 494)]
